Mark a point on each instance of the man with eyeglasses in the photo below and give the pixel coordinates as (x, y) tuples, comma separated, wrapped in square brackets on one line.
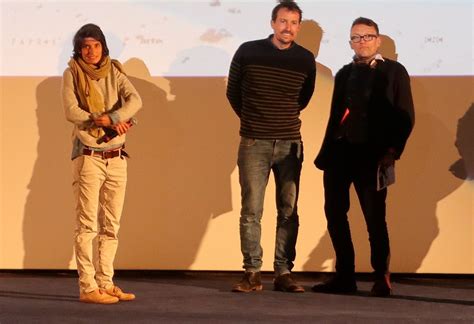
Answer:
[(372, 115)]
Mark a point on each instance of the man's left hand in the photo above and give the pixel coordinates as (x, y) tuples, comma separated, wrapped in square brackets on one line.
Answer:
[(388, 158)]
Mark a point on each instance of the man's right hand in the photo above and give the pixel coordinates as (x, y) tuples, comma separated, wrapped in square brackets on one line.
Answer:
[(122, 127)]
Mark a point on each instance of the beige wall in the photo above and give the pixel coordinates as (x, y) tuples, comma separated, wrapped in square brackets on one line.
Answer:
[(183, 199)]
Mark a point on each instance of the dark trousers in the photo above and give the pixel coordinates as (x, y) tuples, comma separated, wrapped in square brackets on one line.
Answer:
[(355, 164)]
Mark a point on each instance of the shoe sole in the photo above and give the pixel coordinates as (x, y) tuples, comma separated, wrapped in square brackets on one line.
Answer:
[(256, 288), (382, 295), (335, 292), (101, 303), (129, 299), (290, 291)]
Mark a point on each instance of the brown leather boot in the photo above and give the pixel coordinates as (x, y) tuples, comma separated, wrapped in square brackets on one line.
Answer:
[(287, 284), (117, 292), (97, 297), (251, 281)]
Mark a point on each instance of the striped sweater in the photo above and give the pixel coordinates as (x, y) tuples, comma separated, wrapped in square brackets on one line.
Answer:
[(268, 87)]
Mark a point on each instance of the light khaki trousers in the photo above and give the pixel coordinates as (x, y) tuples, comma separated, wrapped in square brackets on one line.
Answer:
[(99, 192)]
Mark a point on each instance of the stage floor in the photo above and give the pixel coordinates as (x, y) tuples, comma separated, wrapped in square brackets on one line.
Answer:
[(205, 297)]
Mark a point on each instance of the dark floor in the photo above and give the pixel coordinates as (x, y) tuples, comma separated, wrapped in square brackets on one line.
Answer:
[(205, 297)]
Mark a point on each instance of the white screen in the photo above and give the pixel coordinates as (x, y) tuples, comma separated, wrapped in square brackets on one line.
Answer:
[(199, 38)]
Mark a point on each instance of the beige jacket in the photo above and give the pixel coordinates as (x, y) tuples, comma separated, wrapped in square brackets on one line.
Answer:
[(121, 99)]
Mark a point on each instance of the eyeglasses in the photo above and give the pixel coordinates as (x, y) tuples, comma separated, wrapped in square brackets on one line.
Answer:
[(366, 38)]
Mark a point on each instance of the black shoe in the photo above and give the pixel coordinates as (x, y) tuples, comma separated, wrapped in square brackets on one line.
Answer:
[(337, 285), (382, 287), (287, 284), (251, 281)]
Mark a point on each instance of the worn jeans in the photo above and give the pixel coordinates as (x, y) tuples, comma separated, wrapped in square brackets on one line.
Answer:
[(99, 192), (256, 158)]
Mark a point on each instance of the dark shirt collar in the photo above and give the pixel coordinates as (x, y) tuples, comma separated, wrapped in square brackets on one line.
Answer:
[(269, 39)]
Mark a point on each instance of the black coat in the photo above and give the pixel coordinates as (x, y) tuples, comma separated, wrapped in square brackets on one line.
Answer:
[(390, 111)]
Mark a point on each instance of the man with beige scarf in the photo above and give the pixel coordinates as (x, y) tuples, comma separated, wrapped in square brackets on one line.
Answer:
[(100, 101)]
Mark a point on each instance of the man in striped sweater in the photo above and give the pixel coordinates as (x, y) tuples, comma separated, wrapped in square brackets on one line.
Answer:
[(270, 82)]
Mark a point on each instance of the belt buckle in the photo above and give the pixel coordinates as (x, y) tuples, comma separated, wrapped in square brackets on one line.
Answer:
[(104, 154), (108, 155)]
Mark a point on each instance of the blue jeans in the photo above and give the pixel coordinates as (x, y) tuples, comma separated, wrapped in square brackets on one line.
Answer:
[(255, 160)]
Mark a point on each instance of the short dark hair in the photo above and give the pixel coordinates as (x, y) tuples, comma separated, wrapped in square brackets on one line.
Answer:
[(367, 22), (288, 5), (86, 31)]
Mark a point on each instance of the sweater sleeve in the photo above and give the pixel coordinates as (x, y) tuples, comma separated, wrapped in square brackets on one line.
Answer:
[(73, 112), (308, 86), (131, 101), (234, 83)]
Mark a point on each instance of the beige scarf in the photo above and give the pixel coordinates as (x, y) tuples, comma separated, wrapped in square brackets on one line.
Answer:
[(90, 98)]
